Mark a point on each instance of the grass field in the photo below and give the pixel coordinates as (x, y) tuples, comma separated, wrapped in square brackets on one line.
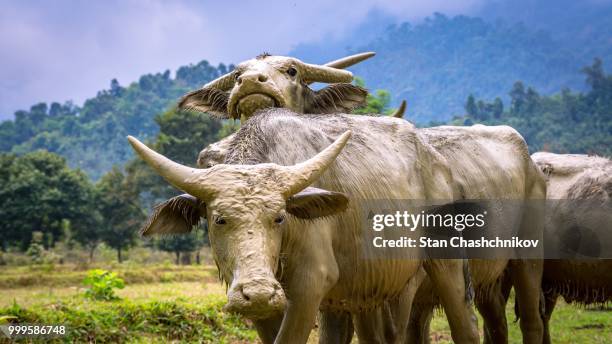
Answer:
[(163, 303)]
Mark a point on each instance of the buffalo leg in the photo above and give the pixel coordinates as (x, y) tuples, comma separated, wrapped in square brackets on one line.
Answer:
[(449, 281), (550, 302), (335, 328), (492, 307), (418, 327), (527, 279), (267, 329), (401, 308), (389, 321), (369, 326), (307, 285), (301, 310)]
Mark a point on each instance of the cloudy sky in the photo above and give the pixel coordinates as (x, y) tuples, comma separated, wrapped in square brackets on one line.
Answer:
[(68, 50)]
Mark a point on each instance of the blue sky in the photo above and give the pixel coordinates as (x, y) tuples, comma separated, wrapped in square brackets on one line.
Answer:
[(68, 50)]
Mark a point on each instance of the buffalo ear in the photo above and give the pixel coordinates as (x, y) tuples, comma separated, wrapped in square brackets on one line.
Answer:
[(312, 202), (210, 100), (341, 97), (178, 215)]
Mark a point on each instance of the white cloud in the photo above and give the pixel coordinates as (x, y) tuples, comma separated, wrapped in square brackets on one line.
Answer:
[(68, 50)]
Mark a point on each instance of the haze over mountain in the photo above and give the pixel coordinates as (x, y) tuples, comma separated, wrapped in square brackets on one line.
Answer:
[(434, 63), (69, 49)]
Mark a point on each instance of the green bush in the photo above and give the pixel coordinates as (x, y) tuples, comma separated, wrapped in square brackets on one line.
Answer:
[(102, 285)]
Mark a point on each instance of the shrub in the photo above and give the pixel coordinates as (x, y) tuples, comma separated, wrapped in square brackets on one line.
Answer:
[(36, 252), (102, 284)]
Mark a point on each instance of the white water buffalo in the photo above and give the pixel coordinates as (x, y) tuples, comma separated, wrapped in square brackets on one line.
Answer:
[(340, 280), (294, 93), (276, 81), (269, 81), (469, 153), (267, 232), (576, 185)]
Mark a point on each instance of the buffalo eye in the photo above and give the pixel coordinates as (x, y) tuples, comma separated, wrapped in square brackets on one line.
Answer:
[(279, 219), (236, 75), (219, 220), (292, 71)]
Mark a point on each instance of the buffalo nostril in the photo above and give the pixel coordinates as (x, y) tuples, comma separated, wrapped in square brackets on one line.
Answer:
[(245, 295), (262, 78)]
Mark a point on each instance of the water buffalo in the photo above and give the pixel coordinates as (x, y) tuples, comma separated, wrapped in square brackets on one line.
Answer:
[(576, 185), (468, 152), (275, 81), (295, 100), (269, 81), (358, 173), (274, 239)]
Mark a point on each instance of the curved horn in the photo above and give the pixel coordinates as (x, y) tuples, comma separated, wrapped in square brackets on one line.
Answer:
[(348, 61), (223, 83), (226, 82), (399, 113), (305, 173), (329, 75), (182, 177)]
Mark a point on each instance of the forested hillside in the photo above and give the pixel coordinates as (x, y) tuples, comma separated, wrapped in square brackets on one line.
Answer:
[(582, 26), (434, 65), (92, 136), (566, 122)]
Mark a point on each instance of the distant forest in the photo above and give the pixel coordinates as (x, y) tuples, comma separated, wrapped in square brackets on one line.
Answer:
[(434, 65), (92, 136), (565, 122)]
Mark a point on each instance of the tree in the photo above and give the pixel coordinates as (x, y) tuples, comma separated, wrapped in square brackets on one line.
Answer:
[(376, 104), (89, 233), (120, 211), (595, 74), (470, 106), (115, 89), (566, 122), (182, 135), (517, 95), (39, 192), (181, 244), (498, 108)]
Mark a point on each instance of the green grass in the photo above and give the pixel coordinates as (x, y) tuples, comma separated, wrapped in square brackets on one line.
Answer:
[(127, 320), (569, 324), (185, 306), (71, 275)]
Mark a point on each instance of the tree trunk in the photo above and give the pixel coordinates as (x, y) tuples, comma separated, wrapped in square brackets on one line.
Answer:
[(91, 253), (186, 258), (198, 257), (178, 256), (119, 255)]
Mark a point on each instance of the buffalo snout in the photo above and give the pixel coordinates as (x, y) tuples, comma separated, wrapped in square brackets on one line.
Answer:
[(253, 78), (256, 298)]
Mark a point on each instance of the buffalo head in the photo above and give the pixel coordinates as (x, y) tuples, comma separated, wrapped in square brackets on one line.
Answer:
[(248, 208), (278, 81)]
